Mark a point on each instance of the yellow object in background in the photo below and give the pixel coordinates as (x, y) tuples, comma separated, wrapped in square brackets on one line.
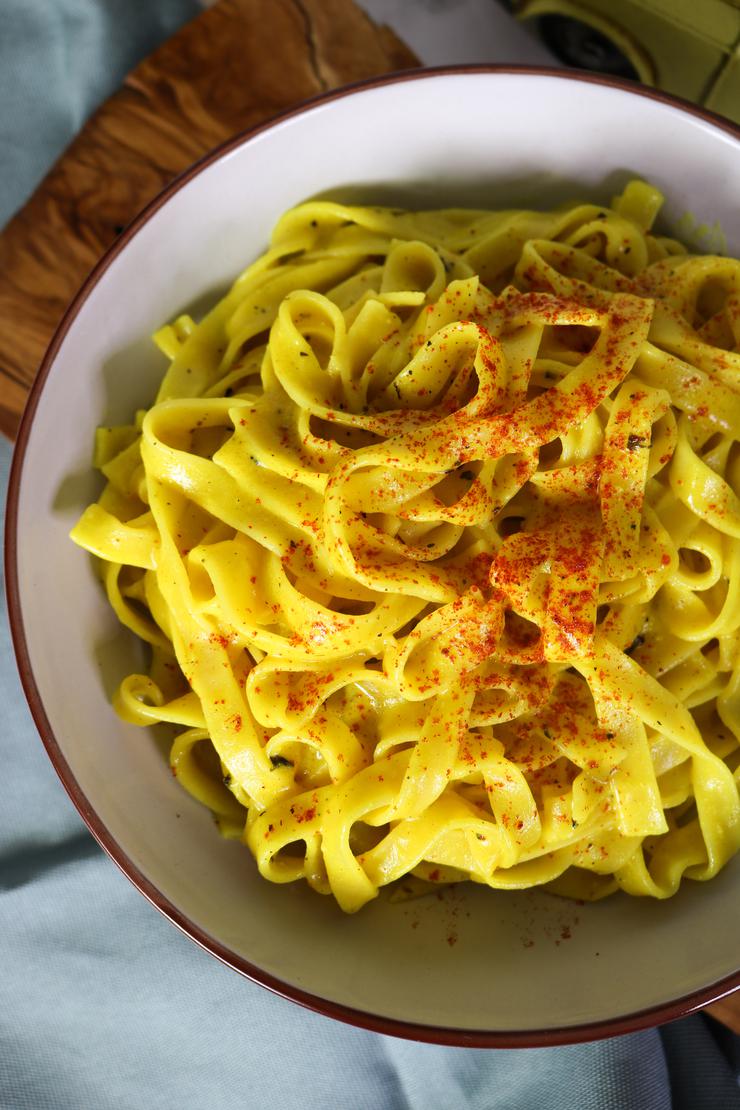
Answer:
[(686, 48)]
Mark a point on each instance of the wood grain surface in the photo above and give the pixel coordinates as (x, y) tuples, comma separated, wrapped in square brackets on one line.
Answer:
[(727, 1012), (237, 64)]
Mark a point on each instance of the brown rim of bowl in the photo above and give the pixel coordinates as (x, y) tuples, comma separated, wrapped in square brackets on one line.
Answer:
[(627, 1023)]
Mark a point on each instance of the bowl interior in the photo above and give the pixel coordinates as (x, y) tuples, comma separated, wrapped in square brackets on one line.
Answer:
[(471, 962)]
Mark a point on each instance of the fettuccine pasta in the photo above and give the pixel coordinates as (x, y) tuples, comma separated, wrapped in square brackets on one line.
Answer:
[(433, 532)]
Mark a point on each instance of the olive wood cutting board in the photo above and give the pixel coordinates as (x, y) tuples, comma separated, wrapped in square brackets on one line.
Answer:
[(232, 67)]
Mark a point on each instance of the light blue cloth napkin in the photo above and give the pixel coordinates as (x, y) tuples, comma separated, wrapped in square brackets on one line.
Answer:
[(103, 1004)]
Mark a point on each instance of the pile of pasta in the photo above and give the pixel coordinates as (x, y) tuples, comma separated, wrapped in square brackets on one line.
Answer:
[(434, 534)]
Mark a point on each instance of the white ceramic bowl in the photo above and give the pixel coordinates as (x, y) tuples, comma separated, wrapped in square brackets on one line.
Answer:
[(474, 967)]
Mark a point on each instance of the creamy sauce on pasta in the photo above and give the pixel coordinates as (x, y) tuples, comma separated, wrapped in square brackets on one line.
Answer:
[(434, 533)]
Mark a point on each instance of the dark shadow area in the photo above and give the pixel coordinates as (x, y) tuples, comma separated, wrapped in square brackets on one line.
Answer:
[(701, 1071), (27, 862), (534, 189)]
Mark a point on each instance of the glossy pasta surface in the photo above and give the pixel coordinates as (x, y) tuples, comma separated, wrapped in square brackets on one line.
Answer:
[(434, 534)]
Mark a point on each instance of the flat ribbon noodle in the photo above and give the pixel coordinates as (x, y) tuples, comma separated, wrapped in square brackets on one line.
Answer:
[(433, 534)]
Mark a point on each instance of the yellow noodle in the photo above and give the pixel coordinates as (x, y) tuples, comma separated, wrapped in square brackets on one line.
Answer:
[(434, 532)]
